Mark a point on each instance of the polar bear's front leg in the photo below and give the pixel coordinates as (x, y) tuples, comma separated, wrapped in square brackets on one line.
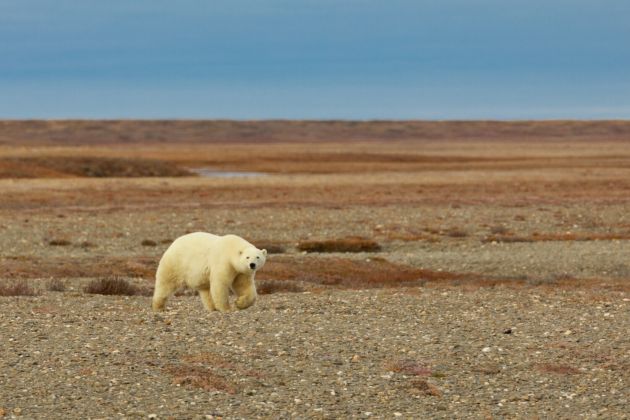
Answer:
[(245, 289), (221, 297), (220, 290)]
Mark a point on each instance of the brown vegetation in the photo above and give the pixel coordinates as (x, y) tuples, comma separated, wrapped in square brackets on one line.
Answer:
[(199, 376), (113, 286), (351, 244), (74, 267), (267, 287), (560, 236), (272, 247), (209, 371), (347, 273), (167, 148), (96, 167), (56, 285), (557, 368), (59, 242), (16, 288), (131, 132), (409, 367), (424, 387)]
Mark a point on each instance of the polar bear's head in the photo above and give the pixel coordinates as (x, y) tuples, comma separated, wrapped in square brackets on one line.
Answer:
[(251, 259)]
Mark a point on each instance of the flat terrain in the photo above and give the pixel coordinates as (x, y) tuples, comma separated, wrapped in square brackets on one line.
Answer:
[(493, 282)]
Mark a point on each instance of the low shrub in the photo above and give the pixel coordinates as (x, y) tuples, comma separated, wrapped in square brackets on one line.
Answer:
[(268, 287), (271, 247), (558, 369), (111, 286), (59, 242), (56, 285), (350, 244), (18, 288)]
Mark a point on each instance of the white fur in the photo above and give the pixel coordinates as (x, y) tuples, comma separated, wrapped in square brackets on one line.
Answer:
[(213, 265)]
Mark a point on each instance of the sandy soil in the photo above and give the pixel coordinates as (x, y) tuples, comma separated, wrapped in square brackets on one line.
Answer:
[(500, 288)]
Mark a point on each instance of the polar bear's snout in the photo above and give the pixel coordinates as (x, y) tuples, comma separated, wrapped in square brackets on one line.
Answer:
[(252, 266)]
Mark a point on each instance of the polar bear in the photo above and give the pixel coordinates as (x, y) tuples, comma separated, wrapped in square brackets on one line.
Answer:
[(213, 265)]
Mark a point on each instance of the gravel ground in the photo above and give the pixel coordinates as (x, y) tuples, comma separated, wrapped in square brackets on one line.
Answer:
[(410, 353), (548, 217), (118, 233)]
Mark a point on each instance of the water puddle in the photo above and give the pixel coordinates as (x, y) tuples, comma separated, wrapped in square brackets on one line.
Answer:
[(214, 173)]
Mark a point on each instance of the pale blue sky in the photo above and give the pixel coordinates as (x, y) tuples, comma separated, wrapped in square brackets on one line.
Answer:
[(315, 59)]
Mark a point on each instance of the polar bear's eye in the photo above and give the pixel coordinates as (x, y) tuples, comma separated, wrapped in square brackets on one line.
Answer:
[(247, 258)]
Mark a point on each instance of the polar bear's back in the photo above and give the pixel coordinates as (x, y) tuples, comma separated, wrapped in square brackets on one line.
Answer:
[(186, 259), (193, 243), (199, 250)]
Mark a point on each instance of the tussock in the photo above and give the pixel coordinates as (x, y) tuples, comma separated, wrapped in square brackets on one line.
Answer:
[(17, 288), (268, 287), (111, 286)]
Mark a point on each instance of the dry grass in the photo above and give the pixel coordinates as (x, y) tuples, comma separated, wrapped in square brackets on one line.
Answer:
[(209, 371), (489, 368), (73, 267), (93, 167), (456, 233), (289, 269), (272, 247), (423, 387), (559, 236), (499, 230), (202, 377), (418, 371), (59, 242), (56, 285), (347, 273), (409, 367), (130, 132), (559, 369), (16, 288), (267, 287), (350, 244), (411, 234), (112, 286)]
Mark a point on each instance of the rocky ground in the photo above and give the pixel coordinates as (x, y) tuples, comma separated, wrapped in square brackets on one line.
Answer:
[(410, 353)]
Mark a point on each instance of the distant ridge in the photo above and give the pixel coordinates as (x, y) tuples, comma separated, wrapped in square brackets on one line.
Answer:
[(90, 132)]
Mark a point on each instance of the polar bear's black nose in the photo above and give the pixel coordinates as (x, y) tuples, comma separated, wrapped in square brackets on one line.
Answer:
[(252, 265)]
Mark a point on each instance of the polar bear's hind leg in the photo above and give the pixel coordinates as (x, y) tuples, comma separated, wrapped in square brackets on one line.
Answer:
[(164, 287)]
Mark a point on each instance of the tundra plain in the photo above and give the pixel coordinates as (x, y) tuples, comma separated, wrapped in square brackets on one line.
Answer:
[(417, 269)]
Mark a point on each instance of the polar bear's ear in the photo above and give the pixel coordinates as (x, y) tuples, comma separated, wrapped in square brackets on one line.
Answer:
[(264, 252)]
